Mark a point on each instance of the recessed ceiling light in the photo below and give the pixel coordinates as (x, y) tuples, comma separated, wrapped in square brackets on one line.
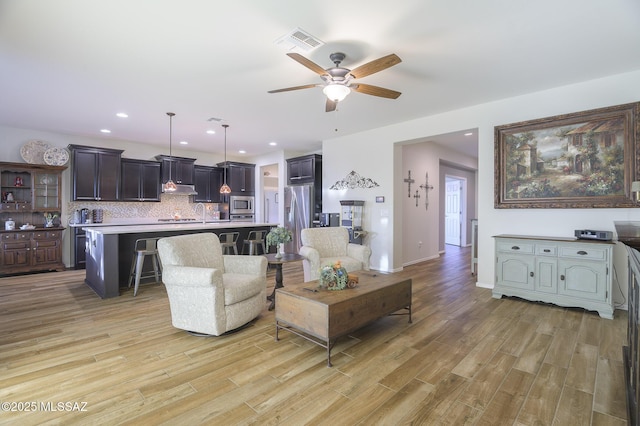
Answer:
[(273, 143), (122, 115), (242, 151), (105, 130), (184, 143), (211, 132), (468, 134)]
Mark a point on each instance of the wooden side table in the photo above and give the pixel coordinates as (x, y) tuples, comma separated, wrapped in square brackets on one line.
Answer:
[(278, 262)]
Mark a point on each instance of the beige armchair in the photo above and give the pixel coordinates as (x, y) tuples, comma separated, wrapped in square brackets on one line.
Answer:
[(324, 246), (211, 293)]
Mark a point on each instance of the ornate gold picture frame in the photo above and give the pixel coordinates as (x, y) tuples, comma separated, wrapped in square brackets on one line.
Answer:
[(581, 160)]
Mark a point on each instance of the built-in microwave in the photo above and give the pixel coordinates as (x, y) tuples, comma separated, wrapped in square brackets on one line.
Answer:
[(241, 204)]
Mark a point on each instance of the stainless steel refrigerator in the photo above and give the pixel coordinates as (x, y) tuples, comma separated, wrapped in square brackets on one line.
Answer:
[(299, 213)]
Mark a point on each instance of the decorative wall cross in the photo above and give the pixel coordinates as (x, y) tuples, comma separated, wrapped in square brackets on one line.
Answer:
[(409, 181), (416, 196), (426, 188)]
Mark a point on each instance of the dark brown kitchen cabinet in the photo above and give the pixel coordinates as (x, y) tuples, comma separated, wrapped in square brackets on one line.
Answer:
[(28, 251), (79, 245), (180, 169), (140, 180), (240, 177), (305, 169), (95, 173), (208, 181)]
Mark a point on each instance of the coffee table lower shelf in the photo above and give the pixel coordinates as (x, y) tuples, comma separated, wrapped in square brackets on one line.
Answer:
[(323, 316)]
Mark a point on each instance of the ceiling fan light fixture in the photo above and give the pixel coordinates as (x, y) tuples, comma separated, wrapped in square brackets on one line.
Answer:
[(336, 92)]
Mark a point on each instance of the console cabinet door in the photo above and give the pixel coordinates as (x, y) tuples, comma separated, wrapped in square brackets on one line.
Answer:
[(515, 271), (581, 279), (546, 275)]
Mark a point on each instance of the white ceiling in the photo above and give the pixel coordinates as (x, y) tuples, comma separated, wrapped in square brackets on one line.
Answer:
[(69, 66)]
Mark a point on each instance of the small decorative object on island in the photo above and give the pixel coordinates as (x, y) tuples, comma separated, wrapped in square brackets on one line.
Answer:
[(48, 217), (277, 236), (335, 277)]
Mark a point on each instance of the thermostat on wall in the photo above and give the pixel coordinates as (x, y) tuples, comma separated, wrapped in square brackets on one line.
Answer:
[(585, 234)]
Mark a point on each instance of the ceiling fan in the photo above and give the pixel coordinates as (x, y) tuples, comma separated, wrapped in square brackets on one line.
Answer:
[(339, 81)]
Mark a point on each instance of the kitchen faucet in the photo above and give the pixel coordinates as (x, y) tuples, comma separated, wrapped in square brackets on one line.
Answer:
[(204, 211)]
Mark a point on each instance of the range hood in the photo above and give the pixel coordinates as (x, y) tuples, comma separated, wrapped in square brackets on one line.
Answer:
[(181, 190)]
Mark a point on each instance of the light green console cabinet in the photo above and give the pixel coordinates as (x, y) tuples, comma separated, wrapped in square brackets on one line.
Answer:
[(563, 271)]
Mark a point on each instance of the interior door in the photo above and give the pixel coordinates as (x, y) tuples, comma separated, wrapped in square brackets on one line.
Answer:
[(271, 206), (452, 212)]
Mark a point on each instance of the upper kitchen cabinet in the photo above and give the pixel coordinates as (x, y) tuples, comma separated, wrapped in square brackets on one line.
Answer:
[(305, 169), (140, 180), (240, 177), (30, 187), (208, 182), (95, 173), (180, 169)]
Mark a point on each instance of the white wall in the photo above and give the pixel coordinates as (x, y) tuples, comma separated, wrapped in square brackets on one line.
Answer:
[(366, 152), (378, 154)]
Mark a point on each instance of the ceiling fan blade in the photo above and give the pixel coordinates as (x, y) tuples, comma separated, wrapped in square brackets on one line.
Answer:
[(288, 89), (307, 63), (331, 105), (376, 66), (368, 89)]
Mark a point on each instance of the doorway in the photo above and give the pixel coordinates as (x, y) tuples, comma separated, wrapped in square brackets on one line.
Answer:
[(270, 192), (454, 216)]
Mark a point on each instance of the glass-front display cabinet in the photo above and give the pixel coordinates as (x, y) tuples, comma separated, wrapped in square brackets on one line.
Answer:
[(29, 191), (46, 191)]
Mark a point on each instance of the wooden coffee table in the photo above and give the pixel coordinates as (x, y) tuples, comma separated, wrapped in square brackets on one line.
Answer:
[(322, 316)]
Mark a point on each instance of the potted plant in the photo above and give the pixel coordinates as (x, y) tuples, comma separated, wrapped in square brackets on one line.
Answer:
[(277, 236)]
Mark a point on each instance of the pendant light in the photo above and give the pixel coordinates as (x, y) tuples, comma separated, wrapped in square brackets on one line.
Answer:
[(170, 186), (224, 189)]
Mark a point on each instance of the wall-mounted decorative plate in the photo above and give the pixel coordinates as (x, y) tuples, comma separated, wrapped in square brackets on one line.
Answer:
[(33, 151), (56, 156)]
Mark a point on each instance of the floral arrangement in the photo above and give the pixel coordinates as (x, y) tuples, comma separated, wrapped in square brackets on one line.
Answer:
[(278, 235), (48, 217), (335, 277)]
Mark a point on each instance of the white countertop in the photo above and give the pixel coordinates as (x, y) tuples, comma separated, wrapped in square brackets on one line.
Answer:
[(162, 227)]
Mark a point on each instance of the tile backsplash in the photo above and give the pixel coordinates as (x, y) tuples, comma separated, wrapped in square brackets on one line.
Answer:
[(168, 207)]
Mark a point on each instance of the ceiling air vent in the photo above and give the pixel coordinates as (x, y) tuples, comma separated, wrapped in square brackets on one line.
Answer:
[(298, 40)]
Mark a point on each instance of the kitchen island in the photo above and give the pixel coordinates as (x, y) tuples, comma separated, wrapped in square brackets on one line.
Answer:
[(109, 249)]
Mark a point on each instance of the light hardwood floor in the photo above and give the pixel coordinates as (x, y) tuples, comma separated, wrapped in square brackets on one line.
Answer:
[(466, 359)]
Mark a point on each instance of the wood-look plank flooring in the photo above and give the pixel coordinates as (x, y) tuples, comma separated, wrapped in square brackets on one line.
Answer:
[(466, 359)]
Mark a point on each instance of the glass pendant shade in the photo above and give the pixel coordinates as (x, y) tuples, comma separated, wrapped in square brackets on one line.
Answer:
[(170, 186), (336, 92), (225, 189)]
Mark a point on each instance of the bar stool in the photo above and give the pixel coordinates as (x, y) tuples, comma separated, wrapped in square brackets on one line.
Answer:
[(255, 240), (228, 242), (144, 247)]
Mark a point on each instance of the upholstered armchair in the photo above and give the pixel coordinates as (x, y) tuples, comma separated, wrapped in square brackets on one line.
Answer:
[(211, 293), (324, 246)]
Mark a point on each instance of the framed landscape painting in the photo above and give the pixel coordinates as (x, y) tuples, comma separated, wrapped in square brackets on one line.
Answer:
[(581, 160)]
